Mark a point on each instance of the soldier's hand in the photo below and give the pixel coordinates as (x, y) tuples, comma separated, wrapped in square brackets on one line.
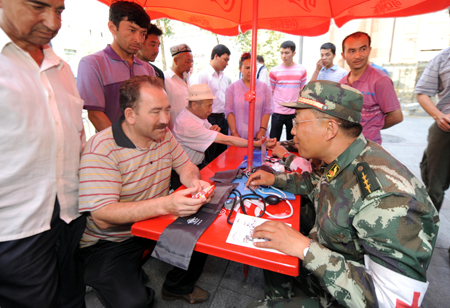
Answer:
[(260, 178), (444, 122), (180, 203), (279, 151), (282, 238)]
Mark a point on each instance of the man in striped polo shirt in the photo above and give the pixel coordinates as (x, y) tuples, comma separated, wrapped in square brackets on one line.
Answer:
[(124, 178), (286, 82)]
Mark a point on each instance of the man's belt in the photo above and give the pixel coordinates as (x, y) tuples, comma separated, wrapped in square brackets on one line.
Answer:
[(217, 115)]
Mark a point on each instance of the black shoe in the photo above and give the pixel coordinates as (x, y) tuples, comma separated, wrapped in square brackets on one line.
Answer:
[(197, 296)]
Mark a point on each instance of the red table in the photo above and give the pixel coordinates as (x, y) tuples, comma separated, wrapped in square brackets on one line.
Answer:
[(213, 240)]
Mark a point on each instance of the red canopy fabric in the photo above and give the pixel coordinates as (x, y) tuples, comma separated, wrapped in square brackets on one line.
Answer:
[(299, 17)]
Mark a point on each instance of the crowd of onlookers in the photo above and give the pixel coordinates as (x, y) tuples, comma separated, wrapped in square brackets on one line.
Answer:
[(67, 204)]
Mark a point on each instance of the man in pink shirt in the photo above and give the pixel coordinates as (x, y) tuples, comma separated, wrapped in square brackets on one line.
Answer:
[(381, 108), (286, 82)]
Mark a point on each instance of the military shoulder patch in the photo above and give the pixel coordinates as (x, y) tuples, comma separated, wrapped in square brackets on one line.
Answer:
[(332, 172), (366, 179)]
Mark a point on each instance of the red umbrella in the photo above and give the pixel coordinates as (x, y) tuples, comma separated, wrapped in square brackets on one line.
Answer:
[(300, 17)]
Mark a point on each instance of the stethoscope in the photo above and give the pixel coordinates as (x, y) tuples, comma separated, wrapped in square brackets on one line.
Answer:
[(272, 199)]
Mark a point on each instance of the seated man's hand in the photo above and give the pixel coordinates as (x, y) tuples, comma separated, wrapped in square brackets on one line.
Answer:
[(203, 185), (260, 178), (180, 203), (279, 151), (282, 238), (270, 143), (215, 128)]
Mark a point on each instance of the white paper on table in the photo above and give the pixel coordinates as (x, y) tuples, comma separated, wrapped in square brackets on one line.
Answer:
[(242, 230)]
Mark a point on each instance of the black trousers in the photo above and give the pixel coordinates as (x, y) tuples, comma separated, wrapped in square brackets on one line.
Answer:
[(216, 149), (44, 270), (278, 120), (114, 270), (435, 164)]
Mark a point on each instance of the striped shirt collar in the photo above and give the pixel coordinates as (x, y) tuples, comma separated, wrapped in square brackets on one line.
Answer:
[(119, 135)]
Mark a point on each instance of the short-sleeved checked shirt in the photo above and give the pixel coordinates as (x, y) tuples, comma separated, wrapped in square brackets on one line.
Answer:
[(113, 169), (436, 80)]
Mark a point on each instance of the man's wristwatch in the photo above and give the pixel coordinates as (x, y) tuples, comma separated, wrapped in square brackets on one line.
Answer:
[(305, 251), (285, 156)]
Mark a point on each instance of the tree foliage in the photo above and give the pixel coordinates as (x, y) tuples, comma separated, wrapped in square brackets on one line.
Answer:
[(165, 25), (268, 45)]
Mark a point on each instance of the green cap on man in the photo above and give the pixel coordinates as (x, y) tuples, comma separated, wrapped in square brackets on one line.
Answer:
[(335, 99)]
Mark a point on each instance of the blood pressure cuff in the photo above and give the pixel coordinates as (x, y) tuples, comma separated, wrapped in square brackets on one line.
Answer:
[(177, 242), (227, 176)]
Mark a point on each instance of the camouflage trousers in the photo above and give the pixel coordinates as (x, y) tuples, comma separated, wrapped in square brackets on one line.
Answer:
[(279, 292), (279, 288)]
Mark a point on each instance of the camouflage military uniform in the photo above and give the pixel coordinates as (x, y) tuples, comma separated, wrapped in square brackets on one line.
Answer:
[(366, 203)]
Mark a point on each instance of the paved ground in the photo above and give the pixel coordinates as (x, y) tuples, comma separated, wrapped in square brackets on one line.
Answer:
[(225, 279)]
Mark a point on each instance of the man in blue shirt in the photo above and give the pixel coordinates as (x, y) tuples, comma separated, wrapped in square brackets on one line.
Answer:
[(325, 69)]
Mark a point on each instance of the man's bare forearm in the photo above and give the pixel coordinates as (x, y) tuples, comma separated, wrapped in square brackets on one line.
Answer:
[(189, 174), (393, 118), (99, 119), (126, 213)]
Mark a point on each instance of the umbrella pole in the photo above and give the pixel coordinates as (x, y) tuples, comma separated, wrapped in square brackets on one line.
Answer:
[(251, 95)]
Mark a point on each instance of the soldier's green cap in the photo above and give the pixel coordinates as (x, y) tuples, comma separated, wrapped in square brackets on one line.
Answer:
[(335, 99)]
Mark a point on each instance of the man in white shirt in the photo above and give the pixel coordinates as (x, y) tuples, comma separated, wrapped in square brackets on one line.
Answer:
[(215, 78), (193, 131), (177, 80), (42, 138), (325, 68), (262, 73)]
